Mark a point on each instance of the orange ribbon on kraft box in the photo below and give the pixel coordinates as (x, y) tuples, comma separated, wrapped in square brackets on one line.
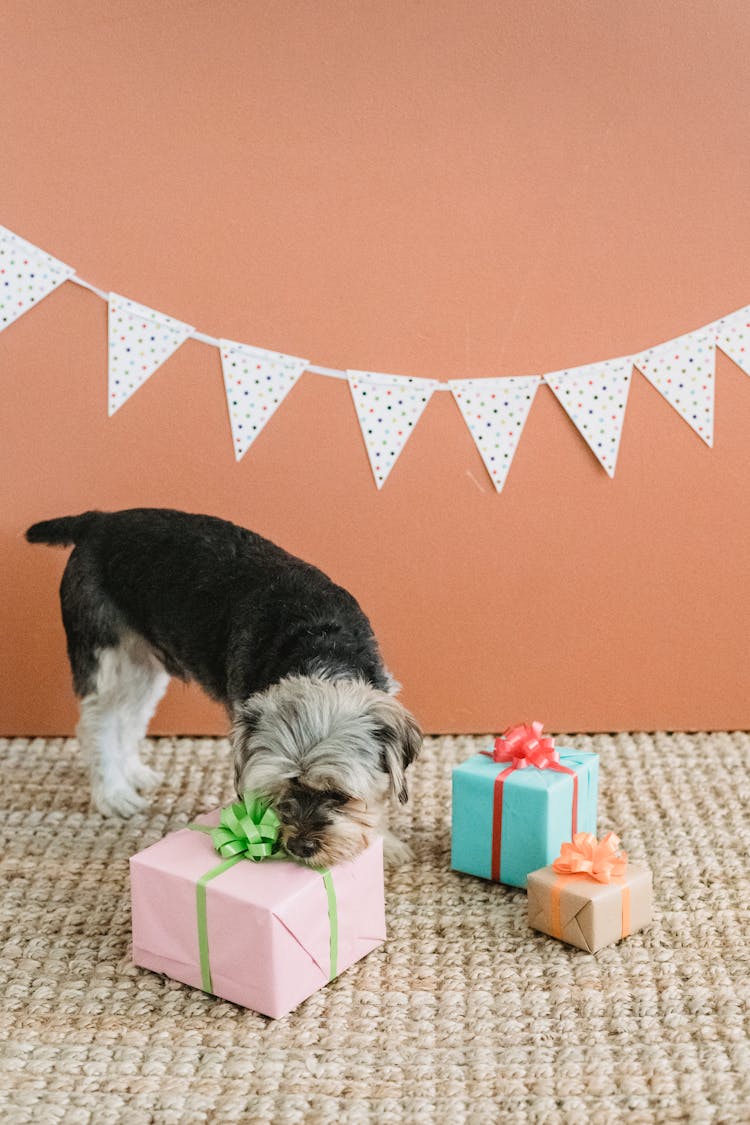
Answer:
[(590, 896)]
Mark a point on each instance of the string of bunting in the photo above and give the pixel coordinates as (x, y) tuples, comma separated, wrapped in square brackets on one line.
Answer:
[(388, 407)]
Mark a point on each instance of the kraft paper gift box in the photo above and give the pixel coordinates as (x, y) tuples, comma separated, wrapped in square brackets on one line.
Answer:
[(590, 902), (513, 807), (273, 932)]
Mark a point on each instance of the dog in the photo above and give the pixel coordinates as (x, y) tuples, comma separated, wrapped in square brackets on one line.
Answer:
[(150, 593)]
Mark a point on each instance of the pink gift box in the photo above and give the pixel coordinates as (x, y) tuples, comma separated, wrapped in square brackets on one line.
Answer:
[(269, 933)]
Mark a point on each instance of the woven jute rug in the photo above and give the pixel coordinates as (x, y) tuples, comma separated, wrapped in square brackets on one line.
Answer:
[(464, 1015)]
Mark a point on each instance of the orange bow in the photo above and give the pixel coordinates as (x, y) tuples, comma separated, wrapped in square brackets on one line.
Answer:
[(599, 859)]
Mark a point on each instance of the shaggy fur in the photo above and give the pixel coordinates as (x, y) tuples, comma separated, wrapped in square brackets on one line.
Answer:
[(151, 593)]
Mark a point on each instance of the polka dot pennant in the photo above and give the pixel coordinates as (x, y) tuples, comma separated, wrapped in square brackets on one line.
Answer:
[(495, 410), (594, 397), (388, 408), (732, 334), (256, 382), (27, 275), (682, 370), (140, 340)]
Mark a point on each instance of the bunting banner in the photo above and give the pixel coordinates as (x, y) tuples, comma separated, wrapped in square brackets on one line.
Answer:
[(495, 410), (256, 382), (388, 407), (594, 397), (682, 370), (140, 339), (27, 274)]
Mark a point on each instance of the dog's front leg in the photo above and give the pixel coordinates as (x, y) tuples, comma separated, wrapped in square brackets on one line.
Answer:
[(395, 851)]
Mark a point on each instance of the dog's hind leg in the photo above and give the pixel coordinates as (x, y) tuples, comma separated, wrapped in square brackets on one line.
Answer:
[(147, 682), (118, 682), (114, 716), (99, 731)]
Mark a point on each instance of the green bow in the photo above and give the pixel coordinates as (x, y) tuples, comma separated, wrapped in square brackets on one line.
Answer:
[(249, 830)]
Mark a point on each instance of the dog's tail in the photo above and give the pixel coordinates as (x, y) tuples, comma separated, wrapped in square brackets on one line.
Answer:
[(62, 532)]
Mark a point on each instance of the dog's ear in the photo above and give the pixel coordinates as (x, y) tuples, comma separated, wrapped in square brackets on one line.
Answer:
[(245, 719), (400, 739)]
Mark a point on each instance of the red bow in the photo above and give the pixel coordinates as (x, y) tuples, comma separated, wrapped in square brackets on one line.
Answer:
[(524, 745)]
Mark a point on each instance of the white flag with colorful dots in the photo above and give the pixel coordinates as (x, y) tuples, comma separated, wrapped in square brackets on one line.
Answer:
[(732, 334), (594, 397), (682, 370), (495, 410), (388, 408), (140, 340), (256, 382), (27, 274)]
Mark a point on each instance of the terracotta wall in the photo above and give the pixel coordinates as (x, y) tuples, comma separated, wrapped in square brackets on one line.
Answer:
[(439, 189)]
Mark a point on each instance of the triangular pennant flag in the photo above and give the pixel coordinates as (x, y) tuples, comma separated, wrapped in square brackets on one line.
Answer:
[(495, 410), (594, 397), (256, 382), (140, 339), (388, 408), (26, 275), (732, 334), (682, 370)]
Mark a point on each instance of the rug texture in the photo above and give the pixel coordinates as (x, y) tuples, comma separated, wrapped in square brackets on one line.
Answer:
[(464, 1015)]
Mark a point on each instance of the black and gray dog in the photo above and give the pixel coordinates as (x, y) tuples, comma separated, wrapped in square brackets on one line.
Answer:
[(151, 593)]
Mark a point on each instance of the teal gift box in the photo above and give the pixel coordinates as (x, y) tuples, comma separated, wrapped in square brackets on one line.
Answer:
[(511, 816)]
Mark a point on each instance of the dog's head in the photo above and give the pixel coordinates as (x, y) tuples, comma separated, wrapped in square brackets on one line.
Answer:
[(327, 754)]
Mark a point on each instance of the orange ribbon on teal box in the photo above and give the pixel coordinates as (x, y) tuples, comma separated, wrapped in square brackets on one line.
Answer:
[(514, 806)]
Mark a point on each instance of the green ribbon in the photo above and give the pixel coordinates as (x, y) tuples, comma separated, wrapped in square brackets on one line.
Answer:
[(200, 902), (333, 919), (250, 830)]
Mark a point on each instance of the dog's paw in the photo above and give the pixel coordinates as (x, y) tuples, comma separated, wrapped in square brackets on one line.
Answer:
[(117, 799), (395, 851), (141, 776)]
